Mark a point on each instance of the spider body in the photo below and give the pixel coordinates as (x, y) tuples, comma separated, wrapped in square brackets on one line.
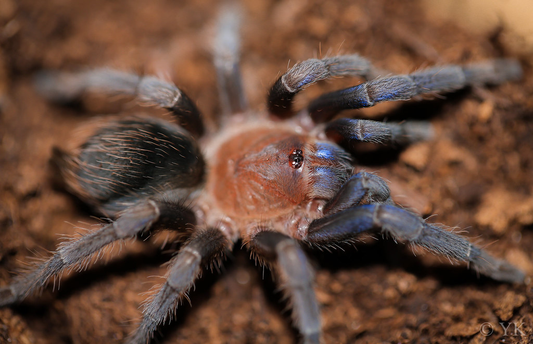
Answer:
[(271, 173), (277, 179)]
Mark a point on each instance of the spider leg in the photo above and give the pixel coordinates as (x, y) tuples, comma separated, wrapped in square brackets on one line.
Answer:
[(346, 130), (405, 87), (403, 225), (66, 87), (297, 279), (226, 61), (362, 186), (148, 214), (203, 247), (308, 72)]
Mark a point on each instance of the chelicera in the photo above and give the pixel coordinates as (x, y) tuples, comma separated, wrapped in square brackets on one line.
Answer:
[(277, 180)]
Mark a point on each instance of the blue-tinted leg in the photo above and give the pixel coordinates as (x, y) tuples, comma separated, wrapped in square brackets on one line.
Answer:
[(346, 130), (297, 280), (308, 72), (203, 248), (405, 87), (408, 227), (361, 187)]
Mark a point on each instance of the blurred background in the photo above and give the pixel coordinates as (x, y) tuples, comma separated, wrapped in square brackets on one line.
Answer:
[(513, 17)]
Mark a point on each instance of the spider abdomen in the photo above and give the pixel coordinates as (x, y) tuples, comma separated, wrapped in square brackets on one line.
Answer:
[(130, 159)]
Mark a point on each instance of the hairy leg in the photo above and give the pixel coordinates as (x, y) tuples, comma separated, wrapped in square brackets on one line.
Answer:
[(361, 187), (405, 87), (308, 72), (204, 247), (66, 87), (148, 214), (297, 280), (406, 226), (347, 130), (226, 59)]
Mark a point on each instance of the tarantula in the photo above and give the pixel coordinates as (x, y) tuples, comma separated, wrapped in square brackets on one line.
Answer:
[(277, 180)]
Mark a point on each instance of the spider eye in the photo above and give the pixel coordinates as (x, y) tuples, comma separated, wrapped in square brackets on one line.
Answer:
[(296, 159)]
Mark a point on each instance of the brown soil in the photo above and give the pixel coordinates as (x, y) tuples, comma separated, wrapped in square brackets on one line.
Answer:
[(476, 174)]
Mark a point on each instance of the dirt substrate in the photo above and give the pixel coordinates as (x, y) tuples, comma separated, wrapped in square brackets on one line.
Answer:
[(476, 174)]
